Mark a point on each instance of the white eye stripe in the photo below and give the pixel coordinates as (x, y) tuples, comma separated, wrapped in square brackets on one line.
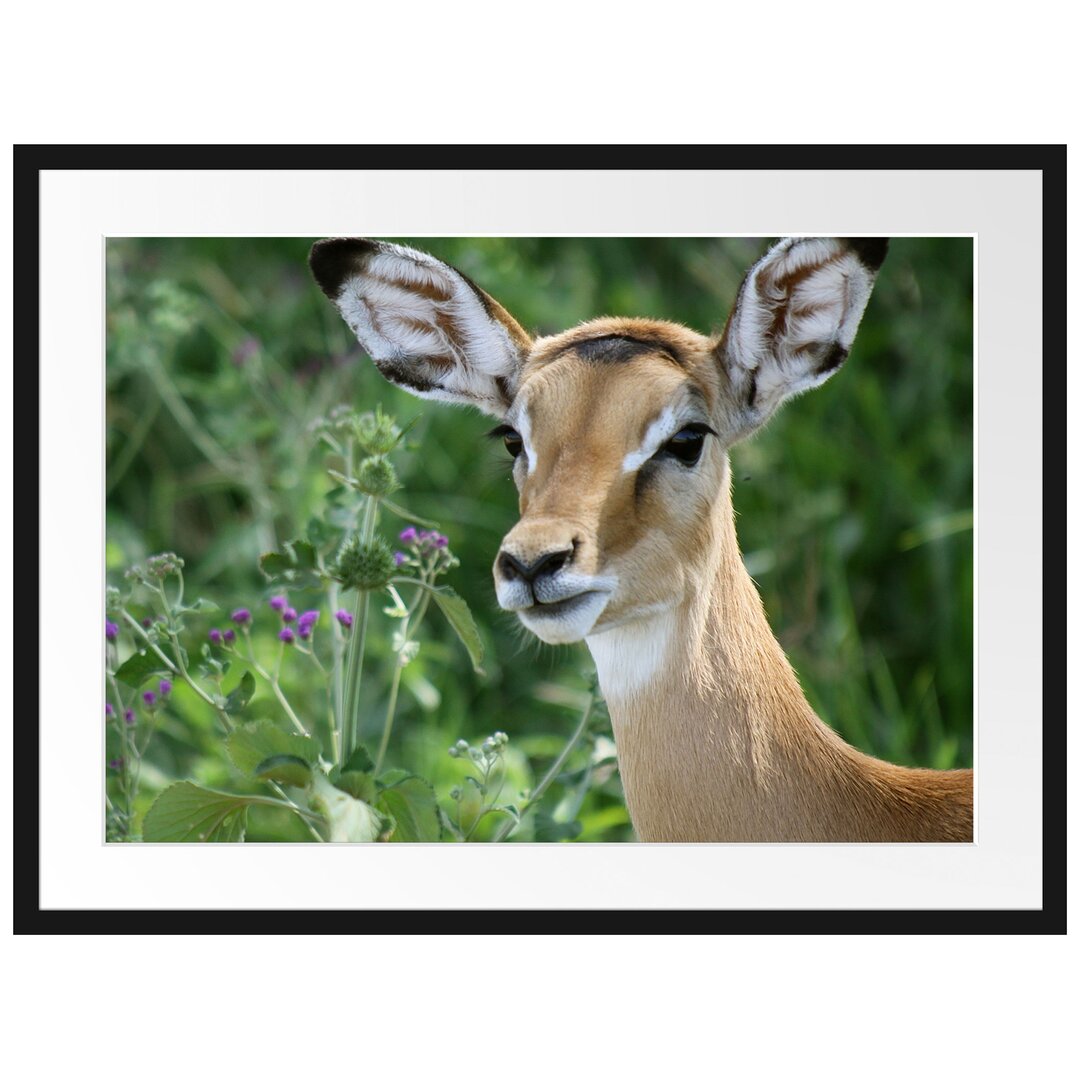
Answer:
[(525, 431), (658, 433)]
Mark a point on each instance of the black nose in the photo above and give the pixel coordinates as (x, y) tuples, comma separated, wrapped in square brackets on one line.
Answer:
[(548, 564)]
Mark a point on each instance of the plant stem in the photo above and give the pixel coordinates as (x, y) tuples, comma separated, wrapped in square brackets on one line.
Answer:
[(338, 640), (510, 825), (389, 722), (273, 681), (331, 722), (407, 629), (357, 641)]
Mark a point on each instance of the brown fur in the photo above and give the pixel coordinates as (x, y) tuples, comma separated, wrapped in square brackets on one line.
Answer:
[(722, 745)]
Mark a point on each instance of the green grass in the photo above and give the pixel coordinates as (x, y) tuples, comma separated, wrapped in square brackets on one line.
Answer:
[(854, 505)]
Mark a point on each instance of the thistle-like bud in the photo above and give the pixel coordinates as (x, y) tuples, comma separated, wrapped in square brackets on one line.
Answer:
[(161, 566), (364, 566), (376, 433), (376, 476)]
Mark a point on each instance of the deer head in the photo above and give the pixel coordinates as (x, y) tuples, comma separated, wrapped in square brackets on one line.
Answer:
[(619, 428)]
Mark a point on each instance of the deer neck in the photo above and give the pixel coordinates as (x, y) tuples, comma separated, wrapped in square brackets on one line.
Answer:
[(715, 738)]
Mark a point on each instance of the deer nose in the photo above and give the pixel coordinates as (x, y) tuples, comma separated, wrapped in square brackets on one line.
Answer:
[(547, 565)]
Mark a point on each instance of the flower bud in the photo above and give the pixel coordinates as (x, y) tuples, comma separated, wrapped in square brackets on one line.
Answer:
[(364, 566), (376, 476), (375, 433)]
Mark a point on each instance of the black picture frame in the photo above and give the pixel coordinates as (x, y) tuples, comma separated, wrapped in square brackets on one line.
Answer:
[(31, 160)]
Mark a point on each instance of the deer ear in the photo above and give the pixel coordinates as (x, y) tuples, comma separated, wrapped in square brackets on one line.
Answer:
[(794, 321), (428, 328)]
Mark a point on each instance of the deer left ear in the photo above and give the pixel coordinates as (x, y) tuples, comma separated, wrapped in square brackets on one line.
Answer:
[(794, 321), (428, 328)]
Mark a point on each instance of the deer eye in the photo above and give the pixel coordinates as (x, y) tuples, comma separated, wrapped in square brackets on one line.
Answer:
[(512, 441), (686, 445)]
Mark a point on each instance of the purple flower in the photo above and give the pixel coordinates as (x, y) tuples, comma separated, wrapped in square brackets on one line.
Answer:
[(116, 763), (149, 697), (278, 603), (241, 616), (215, 636), (147, 623), (306, 623), (407, 536), (344, 618), (399, 557), (109, 710), (287, 636), (164, 688), (429, 539), (289, 614), (229, 636), (129, 716), (112, 631)]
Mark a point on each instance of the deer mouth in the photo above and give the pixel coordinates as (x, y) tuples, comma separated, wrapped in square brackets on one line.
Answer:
[(565, 620), (561, 607)]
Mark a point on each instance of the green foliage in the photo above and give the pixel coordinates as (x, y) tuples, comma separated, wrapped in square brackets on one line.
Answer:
[(460, 618), (854, 504), (138, 667), (253, 745), (186, 813), (239, 697), (410, 802)]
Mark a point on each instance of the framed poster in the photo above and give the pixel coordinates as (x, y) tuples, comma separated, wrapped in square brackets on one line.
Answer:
[(245, 420)]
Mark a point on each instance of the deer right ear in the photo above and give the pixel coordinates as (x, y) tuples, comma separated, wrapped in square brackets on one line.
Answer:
[(428, 328), (794, 321)]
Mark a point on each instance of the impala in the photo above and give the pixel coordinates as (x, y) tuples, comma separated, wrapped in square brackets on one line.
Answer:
[(620, 430)]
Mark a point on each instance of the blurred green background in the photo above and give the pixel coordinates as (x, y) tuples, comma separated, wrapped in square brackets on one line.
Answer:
[(854, 504)]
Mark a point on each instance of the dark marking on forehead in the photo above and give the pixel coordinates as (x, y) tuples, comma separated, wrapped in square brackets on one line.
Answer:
[(616, 349)]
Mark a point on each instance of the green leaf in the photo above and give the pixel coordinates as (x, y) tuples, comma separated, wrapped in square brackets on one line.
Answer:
[(350, 820), (304, 554), (411, 803), (274, 564), (408, 515), (186, 813), (202, 604), (298, 561), (360, 785), (359, 761), (138, 667), (250, 746), (240, 696), (285, 769), (460, 618)]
